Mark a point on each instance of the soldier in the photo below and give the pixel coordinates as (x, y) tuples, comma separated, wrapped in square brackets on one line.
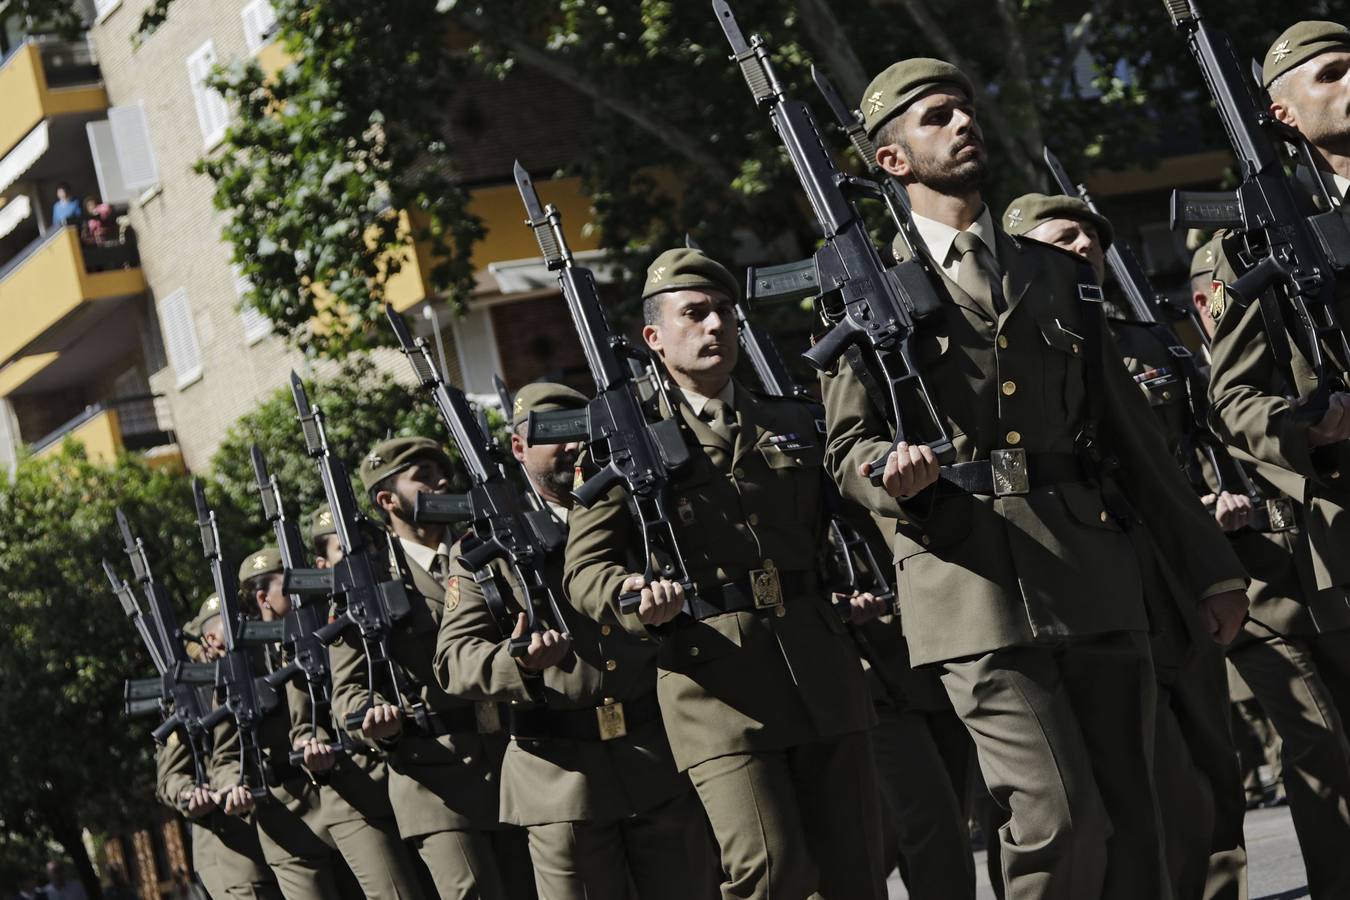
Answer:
[(352, 804), (1195, 760), (1015, 572), (225, 851), (588, 771), (761, 691), (444, 765)]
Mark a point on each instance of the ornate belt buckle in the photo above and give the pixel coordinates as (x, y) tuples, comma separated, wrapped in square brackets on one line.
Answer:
[(765, 588), (1010, 472), (1280, 511), (488, 717), (610, 719)]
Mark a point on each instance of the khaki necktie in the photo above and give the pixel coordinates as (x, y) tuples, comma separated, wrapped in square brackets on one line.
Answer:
[(440, 566), (721, 420), (974, 276)]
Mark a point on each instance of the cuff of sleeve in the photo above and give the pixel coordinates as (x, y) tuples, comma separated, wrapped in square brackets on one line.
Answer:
[(1223, 587)]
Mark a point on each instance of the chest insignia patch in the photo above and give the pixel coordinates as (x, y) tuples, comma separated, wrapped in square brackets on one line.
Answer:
[(452, 593), (1218, 300)]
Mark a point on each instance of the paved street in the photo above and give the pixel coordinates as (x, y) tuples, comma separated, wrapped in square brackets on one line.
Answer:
[(1275, 870)]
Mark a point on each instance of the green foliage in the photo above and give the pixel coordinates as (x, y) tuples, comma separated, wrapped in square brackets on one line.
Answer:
[(72, 757), (59, 17), (321, 158)]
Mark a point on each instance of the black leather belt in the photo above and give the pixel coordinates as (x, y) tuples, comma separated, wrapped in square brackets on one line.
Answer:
[(734, 596), (485, 718), (606, 722), (1274, 515), (1010, 472)]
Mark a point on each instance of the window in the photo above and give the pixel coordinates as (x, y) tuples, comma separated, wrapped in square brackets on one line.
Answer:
[(260, 23), (102, 8), (131, 148), (256, 325), (111, 187), (180, 338), (213, 114)]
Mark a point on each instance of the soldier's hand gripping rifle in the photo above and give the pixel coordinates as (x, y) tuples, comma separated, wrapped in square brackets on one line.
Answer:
[(239, 694), (309, 591), (1151, 310), (1290, 257), (177, 692), (501, 530), (369, 599), (628, 450), (866, 304)]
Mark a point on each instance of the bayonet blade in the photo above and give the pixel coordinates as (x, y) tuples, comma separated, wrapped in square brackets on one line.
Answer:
[(730, 27), (533, 208)]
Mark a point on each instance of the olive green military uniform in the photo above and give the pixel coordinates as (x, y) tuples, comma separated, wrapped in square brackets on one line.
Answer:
[(1031, 602), (225, 851), (1195, 761), (766, 708), (588, 771), (1302, 576), (443, 780)]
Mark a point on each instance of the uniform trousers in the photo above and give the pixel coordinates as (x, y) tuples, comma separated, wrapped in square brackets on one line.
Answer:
[(922, 762), (225, 871), (301, 860), (1288, 680), (378, 858), (477, 865), (795, 823), (661, 854), (1065, 739)]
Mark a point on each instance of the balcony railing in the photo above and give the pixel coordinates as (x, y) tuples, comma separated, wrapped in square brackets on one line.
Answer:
[(104, 256), (131, 423)]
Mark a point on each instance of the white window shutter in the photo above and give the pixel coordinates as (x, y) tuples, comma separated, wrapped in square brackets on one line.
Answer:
[(180, 338), (256, 325), (131, 140), (107, 168), (260, 22), (213, 113)]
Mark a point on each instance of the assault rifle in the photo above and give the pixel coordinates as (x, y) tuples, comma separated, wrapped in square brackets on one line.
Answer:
[(866, 304), (1289, 257), (370, 601), (539, 513), (628, 449), (501, 528), (1147, 306), (239, 694), (309, 590), (177, 690)]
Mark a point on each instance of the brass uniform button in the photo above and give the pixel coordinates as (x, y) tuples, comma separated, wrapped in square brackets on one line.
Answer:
[(605, 629), (1002, 342), (768, 563), (927, 540), (780, 611), (1335, 474), (1009, 388), (1013, 437), (754, 519), (1076, 349), (1103, 516), (1167, 395), (611, 665), (739, 473), (693, 651)]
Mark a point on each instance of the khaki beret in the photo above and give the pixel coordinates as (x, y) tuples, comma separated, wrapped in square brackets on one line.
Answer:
[(1300, 43), (544, 396), (1030, 210), (393, 456), (260, 562), (1205, 258), (209, 609), (902, 83), (321, 522), (686, 269)]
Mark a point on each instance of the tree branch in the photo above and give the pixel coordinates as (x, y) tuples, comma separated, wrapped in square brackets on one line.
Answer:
[(829, 37), (1021, 94)]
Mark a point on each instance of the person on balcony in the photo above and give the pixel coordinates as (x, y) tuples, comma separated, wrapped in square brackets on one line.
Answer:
[(67, 208)]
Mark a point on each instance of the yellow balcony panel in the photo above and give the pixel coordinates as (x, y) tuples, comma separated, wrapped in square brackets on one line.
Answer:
[(98, 430), (18, 373), (504, 219), (52, 282), (26, 99), (1194, 168)]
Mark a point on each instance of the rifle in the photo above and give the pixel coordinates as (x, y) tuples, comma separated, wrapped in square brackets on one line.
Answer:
[(441, 509), (1281, 248), (501, 529), (371, 602), (307, 587), (628, 449), (1146, 303), (240, 696), (876, 307)]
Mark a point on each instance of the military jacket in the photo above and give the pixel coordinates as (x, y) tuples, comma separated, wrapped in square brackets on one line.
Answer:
[(746, 681), (443, 783), (174, 777), (560, 780), (977, 573), (1252, 412)]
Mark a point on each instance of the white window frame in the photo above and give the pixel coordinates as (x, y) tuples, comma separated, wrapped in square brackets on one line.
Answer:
[(130, 128), (256, 325), (104, 8), (213, 113), (255, 13), (180, 338)]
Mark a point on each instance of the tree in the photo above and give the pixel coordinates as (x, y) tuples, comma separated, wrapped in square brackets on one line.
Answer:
[(73, 760)]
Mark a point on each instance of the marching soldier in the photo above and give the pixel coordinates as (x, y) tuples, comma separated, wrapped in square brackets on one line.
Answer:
[(1195, 762), (225, 851), (444, 763), (588, 771), (1015, 572), (348, 794), (760, 689)]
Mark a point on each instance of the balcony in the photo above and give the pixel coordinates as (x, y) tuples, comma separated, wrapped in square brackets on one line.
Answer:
[(57, 277), (45, 79), (106, 429)]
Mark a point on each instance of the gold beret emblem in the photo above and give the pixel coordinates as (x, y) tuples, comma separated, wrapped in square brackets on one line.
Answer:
[(874, 103), (1280, 51)]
